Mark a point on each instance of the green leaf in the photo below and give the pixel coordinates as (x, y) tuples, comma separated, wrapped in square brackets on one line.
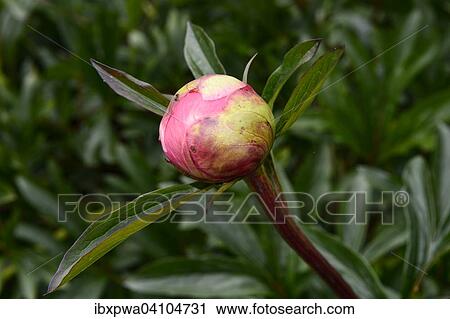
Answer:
[(200, 277), (27, 284), (416, 123), (307, 89), (35, 235), (427, 214), (108, 232), (380, 179), (353, 234), (219, 285), (403, 74), (293, 59), (419, 216), (354, 267), (44, 202), (132, 89), (247, 68), (200, 52), (388, 239), (207, 264), (323, 170), (238, 237), (99, 141), (444, 180)]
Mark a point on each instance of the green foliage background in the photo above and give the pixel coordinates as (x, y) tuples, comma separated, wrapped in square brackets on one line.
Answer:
[(62, 130)]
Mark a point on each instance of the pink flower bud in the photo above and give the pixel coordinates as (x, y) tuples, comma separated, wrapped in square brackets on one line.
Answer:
[(217, 129)]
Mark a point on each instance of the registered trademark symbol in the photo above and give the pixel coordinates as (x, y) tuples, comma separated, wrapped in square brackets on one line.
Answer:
[(401, 198)]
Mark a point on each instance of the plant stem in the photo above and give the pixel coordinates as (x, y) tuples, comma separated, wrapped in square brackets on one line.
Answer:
[(269, 189)]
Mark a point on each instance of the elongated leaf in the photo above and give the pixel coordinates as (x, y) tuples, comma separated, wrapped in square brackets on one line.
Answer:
[(419, 216), (444, 180), (427, 214), (354, 267), (247, 68), (37, 236), (38, 197), (198, 278), (27, 284), (206, 264), (353, 234), (416, 123), (380, 179), (132, 89), (199, 285), (387, 240), (200, 52), (293, 59), (238, 237), (307, 89), (108, 232), (321, 171)]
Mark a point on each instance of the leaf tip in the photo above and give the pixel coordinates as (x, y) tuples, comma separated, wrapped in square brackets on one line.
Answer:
[(247, 68), (189, 26), (97, 65), (53, 285)]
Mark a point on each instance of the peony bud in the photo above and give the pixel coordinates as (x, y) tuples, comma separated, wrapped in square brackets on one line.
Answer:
[(217, 129)]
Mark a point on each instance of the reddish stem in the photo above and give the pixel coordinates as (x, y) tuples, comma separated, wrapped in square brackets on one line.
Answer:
[(268, 189)]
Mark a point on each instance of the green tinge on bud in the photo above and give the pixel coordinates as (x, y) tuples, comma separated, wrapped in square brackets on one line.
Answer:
[(217, 129)]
